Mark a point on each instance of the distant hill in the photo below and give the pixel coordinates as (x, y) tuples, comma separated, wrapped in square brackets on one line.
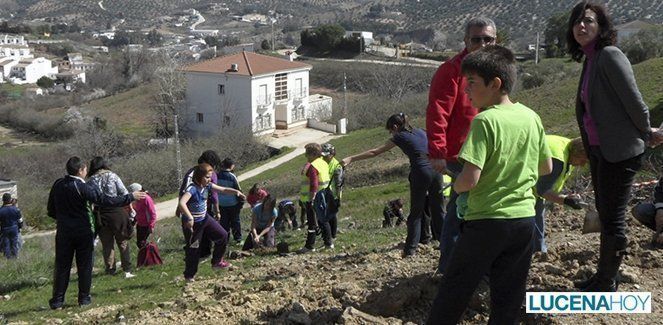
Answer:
[(520, 18)]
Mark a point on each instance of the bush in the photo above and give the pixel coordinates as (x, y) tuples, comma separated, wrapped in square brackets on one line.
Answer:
[(45, 82), (644, 45)]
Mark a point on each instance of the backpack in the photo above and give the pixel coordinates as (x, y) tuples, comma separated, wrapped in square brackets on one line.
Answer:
[(149, 255)]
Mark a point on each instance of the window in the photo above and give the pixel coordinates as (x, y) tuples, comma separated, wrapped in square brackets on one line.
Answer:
[(200, 118), (222, 89), (281, 86)]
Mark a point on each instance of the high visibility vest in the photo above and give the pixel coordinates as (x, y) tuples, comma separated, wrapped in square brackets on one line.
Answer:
[(333, 166), (446, 181), (322, 168), (559, 148)]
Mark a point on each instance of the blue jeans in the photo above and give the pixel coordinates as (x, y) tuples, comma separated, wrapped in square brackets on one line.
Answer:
[(451, 224), (540, 226), (10, 241)]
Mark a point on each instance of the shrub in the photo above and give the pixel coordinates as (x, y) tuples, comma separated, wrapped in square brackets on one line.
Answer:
[(644, 45), (45, 82)]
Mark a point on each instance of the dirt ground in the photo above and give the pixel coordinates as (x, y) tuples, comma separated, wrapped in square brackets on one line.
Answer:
[(378, 287)]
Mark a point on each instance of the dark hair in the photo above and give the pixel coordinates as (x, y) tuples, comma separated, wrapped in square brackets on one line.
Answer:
[(200, 172), (269, 202), (227, 163), (254, 188), (400, 120), (607, 32), (74, 164), (97, 164), (491, 62), (210, 157), (7, 198)]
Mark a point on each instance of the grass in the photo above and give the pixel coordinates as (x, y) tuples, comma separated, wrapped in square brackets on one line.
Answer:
[(28, 280)]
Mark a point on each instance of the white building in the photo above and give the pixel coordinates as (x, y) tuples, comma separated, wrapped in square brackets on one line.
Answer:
[(366, 37), (629, 29), (15, 51), (6, 68), (30, 70), (254, 90), (6, 39)]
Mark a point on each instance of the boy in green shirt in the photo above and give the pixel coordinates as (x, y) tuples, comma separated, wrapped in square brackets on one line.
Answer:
[(504, 154)]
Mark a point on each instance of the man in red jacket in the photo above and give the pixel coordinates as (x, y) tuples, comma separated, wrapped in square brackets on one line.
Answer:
[(448, 118)]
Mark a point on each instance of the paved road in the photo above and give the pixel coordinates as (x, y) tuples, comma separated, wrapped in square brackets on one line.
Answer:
[(411, 62), (166, 209)]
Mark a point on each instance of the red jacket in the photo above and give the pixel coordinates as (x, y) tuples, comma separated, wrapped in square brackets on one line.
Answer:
[(449, 111)]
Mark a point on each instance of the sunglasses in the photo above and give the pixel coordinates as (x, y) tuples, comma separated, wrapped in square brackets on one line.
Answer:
[(480, 39)]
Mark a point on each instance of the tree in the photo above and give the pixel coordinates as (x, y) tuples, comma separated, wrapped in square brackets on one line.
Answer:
[(327, 37), (438, 41), (555, 35), (265, 45), (644, 45), (168, 100), (154, 38), (503, 37), (211, 40), (45, 82)]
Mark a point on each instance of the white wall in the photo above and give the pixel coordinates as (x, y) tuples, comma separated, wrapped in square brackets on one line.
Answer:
[(202, 96)]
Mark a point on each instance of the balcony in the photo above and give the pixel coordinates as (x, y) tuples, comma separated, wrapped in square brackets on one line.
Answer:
[(263, 103)]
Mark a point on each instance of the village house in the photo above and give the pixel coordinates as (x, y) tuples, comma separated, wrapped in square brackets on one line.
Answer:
[(629, 29), (247, 89), (30, 70), (6, 39)]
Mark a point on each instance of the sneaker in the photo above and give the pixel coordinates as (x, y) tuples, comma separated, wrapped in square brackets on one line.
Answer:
[(189, 280), (305, 250), (84, 301), (129, 275), (56, 305), (326, 247), (222, 265), (111, 272)]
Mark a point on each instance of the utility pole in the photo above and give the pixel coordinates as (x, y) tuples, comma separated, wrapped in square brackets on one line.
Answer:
[(178, 155), (345, 97), (536, 55), (272, 20)]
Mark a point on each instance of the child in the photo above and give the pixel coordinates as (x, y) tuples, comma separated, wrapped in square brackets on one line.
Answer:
[(256, 194), (393, 209), (11, 223), (287, 214), (262, 232), (503, 156), (196, 222), (651, 214), (146, 215)]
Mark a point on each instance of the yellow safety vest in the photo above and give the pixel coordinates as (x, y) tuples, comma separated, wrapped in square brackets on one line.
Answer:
[(333, 165), (322, 168), (559, 148), (446, 180)]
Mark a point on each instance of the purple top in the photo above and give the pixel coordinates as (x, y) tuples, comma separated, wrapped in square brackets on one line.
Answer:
[(588, 121)]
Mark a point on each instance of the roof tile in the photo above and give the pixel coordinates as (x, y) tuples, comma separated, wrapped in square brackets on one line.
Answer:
[(248, 64)]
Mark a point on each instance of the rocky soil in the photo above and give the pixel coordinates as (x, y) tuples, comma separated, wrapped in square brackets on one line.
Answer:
[(378, 287)]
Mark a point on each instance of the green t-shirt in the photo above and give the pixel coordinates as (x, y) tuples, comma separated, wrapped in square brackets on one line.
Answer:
[(507, 142)]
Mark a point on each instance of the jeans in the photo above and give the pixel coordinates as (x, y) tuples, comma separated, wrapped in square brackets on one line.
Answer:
[(540, 226), (501, 248), (230, 220), (66, 246), (312, 225), (10, 241), (423, 181), (451, 225), (213, 230)]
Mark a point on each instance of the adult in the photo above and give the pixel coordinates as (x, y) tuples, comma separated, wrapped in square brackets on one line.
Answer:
[(566, 155), (229, 205), (146, 215), (11, 222), (314, 179), (196, 222), (448, 118), (263, 232), (614, 126), (116, 224), (423, 179), (335, 185), (69, 204)]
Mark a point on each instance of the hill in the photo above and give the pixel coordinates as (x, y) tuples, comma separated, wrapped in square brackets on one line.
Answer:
[(520, 18)]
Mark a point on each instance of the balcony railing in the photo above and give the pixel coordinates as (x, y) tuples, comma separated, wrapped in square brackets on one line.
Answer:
[(262, 122), (297, 113)]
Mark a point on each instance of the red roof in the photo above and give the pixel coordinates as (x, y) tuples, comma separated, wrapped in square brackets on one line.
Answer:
[(248, 64)]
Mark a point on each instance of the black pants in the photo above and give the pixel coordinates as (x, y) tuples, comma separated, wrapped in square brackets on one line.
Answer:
[(312, 227), (423, 181), (230, 220), (612, 189), (501, 248), (68, 244), (142, 233)]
